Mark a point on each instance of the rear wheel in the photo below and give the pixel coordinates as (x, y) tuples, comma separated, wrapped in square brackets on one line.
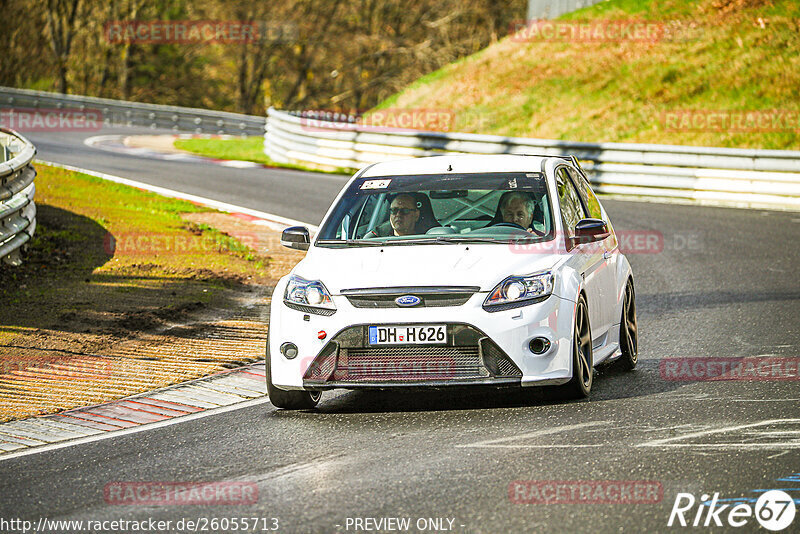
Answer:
[(628, 331), (289, 400), (582, 373)]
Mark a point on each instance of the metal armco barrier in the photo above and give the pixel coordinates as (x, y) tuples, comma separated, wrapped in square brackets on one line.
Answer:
[(121, 113), (17, 209), (550, 9), (736, 177)]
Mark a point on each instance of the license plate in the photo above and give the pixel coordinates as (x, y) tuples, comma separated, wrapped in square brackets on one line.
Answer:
[(408, 335)]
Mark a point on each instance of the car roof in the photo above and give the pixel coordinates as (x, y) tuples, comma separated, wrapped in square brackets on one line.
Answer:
[(457, 163)]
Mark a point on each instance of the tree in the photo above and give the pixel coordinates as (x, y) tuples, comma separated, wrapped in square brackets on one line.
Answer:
[(62, 19)]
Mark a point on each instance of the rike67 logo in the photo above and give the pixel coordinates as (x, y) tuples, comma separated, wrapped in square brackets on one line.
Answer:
[(774, 510)]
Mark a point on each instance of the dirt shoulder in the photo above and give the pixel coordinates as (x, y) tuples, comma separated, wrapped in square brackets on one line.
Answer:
[(123, 291)]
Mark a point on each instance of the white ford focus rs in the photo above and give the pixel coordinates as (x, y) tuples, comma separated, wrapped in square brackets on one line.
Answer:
[(453, 271)]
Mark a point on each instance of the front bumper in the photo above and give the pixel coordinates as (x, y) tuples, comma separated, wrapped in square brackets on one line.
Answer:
[(469, 357), (483, 348)]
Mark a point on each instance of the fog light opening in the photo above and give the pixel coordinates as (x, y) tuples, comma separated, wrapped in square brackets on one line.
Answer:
[(289, 350), (539, 345)]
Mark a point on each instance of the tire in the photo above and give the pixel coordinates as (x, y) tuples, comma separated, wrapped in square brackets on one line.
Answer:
[(628, 331), (289, 400), (580, 385)]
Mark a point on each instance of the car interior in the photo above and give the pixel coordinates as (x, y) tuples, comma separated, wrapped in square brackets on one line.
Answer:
[(447, 213)]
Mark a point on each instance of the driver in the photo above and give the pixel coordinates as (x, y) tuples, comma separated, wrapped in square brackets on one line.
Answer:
[(517, 208), (404, 214)]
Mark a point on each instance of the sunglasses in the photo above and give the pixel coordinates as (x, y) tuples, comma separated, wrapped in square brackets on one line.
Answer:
[(401, 211)]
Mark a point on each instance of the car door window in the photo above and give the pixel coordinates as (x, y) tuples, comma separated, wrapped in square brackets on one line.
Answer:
[(587, 195), (571, 208), (368, 215)]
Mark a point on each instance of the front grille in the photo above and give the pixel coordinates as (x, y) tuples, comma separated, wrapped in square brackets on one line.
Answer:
[(496, 361), (430, 297), (324, 364), (348, 359), (409, 364)]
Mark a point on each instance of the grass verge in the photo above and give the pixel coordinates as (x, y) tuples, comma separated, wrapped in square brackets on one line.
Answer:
[(243, 149), (720, 57)]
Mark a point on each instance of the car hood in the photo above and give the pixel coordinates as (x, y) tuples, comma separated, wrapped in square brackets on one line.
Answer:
[(481, 265)]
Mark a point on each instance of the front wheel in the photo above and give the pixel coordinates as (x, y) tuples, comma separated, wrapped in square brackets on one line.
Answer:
[(289, 400), (580, 385)]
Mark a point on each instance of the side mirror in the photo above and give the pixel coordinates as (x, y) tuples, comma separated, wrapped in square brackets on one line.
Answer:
[(296, 237), (590, 230)]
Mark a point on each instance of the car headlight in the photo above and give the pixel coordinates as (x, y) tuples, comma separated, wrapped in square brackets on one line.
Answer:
[(308, 295), (516, 291)]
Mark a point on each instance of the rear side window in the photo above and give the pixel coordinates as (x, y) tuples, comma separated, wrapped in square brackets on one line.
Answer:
[(571, 208), (587, 195)]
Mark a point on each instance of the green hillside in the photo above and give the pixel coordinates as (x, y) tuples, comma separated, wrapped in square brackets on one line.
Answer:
[(717, 73)]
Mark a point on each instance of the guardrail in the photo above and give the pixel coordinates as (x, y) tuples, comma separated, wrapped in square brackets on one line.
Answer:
[(729, 176), (550, 9), (122, 113), (17, 209)]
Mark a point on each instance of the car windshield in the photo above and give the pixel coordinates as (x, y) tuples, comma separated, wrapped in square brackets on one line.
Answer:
[(440, 208)]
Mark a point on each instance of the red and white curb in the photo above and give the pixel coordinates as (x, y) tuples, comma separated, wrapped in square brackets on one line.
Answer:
[(188, 400)]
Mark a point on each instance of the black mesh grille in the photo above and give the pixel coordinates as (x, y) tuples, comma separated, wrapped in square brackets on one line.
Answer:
[(323, 365), (349, 359), (409, 364), (507, 368), (496, 361)]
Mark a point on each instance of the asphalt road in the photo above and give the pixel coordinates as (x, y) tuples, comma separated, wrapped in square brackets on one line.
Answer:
[(299, 195), (724, 285)]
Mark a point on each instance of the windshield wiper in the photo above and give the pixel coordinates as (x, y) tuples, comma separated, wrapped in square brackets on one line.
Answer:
[(466, 239), (438, 240), (442, 240)]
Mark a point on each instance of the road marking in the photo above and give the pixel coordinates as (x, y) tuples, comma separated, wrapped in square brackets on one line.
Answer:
[(499, 443), (133, 430), (238, 164), (310, 469), (778, 455), (676, 440), (222, 206)]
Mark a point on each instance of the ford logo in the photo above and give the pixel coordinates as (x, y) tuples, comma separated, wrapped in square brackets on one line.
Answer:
[(407, 300)]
